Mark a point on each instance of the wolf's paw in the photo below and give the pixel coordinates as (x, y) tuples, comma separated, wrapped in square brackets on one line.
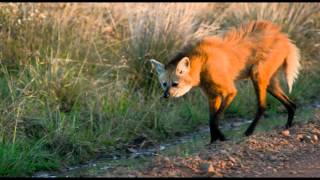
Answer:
[(248, 132)]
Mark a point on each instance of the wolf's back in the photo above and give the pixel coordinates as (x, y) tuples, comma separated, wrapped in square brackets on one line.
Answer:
[(253, 28)]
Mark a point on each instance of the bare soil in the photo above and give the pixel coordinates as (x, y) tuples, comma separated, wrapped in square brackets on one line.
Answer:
[(276, 153)]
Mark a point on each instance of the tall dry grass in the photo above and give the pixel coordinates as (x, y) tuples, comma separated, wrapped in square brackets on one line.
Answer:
[(294, 18), (159, 32)]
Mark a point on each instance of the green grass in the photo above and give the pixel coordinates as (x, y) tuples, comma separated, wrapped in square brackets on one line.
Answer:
[(75, 81), (24, 157)]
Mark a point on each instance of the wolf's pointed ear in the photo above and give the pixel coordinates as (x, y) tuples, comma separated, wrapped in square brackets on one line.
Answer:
[(183, 66), (159, 66)]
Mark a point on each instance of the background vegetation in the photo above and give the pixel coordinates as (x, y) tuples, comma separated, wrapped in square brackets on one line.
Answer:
[(75, 81)]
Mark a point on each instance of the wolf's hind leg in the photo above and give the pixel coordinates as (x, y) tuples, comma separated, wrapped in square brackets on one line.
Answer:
[(275, 90), (260, 84)]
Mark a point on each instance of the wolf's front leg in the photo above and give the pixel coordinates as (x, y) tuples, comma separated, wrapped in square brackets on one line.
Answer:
[(215, 111), (217, 107)]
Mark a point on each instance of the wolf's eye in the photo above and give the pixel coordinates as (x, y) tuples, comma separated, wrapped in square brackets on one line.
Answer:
[(164, 84), (174, 84)]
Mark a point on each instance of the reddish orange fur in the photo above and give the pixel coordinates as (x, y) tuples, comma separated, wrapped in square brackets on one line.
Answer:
[(257, 48), (257, 51)]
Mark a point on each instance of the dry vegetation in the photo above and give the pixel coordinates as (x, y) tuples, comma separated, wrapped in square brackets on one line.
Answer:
[(74, 78)]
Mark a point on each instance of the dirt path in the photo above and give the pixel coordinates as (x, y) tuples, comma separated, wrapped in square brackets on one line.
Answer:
[(305, 166), (274, 153), (269, 154)]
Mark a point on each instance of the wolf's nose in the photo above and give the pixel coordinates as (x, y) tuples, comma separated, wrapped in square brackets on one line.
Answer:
[(166, 94)]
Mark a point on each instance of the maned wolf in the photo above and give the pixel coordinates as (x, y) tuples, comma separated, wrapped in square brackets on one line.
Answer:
[(257, 50)]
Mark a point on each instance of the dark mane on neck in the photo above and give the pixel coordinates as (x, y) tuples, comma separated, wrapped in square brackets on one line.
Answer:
[(188, 50)]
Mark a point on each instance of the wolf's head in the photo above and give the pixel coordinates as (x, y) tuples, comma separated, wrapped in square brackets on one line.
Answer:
[(174, 80)]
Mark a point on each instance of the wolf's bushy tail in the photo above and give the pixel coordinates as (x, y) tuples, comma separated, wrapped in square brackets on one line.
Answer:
[(292, 65)]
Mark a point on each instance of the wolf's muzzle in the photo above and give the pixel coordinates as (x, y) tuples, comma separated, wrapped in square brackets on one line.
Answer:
[(166, 93)]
